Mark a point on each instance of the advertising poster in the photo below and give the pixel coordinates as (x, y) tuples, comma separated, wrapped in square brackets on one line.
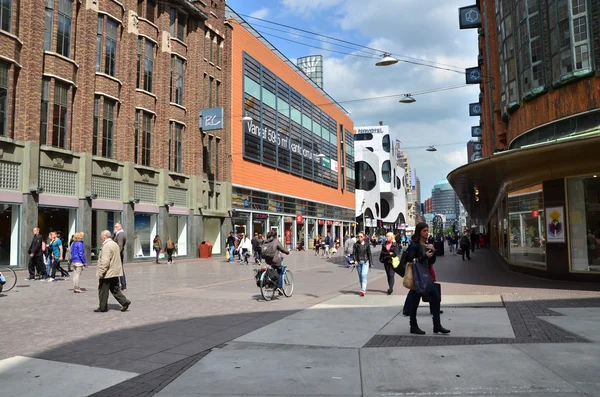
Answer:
[(555, 224)]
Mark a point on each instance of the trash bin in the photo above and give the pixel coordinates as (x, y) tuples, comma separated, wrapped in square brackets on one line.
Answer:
[(205, 249)]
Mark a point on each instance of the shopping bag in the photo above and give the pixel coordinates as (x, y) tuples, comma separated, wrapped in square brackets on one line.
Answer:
[(425, 297), (227, 255), (422, 278), (161, 255), (408, 280), (400, 269), (395, 262)]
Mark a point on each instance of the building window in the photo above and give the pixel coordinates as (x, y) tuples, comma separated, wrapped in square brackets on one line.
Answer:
[(205, 156), (149, 6), (145, 70), (506, 53), (60, 115), (175, 147), (569, 30), (45, 109), (365, 176), (96, 126), (48, 25), (177, 80), (526, 227), (386, 171), (211, 44), (136, 138), (584, 223), (211, 175), (108, 128), (4, 69), (107, 41), (217, 149), (211, 83), (385, 143), (218, 93), (531, 46), (178, 21), (146, 138), (5, 15), (218, 55), (63, 34)]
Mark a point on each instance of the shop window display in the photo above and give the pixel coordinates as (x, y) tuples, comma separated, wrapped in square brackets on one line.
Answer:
[(584, 223), (145, 229), (9, 234), (526, 227)]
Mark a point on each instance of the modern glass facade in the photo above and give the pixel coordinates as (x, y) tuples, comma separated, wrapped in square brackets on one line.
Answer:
[(287, 131)]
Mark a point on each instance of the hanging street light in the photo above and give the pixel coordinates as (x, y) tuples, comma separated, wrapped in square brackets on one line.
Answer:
[(387, 60), (431, 148), (407, 99)]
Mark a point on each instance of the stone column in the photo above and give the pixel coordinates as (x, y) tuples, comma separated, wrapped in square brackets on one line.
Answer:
[(29, 220), (84, 224), (195, 233), (127, 220)]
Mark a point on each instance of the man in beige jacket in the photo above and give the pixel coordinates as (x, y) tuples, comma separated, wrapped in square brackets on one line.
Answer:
[(108, 272)]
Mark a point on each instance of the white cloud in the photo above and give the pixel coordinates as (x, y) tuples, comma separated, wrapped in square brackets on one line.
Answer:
[(305, 7), (261, 14)]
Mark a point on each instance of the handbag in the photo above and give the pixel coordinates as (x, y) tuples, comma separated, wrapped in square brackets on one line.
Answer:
[(408, 280), (227, 255), (422, 278), (395, 262), (459, 251), (425, 297), (161, 255)]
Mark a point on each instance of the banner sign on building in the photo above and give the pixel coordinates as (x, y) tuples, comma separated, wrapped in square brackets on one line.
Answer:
[(469, 17), (477, 147), (473, 75), (476, 131), (475, 109), (211, 119), (334, 166)]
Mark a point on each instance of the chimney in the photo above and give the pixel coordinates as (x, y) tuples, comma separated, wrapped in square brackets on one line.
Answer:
[(381, 123)]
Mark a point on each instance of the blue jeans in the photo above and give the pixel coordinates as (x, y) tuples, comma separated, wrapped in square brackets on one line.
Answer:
[(281, 280), (363, 271), (231, 258), (48, 264)]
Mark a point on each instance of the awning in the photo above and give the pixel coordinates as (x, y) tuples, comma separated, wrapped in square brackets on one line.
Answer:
[(515, 169)]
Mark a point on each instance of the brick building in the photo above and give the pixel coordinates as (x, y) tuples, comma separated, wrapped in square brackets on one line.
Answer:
[(293, 158), (536, 191), (100, 104)]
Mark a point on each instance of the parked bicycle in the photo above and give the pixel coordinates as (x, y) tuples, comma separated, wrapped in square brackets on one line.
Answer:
[(8, 279), (267, 279)]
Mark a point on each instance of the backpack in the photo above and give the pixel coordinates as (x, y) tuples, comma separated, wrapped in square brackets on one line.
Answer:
[(268, 251)]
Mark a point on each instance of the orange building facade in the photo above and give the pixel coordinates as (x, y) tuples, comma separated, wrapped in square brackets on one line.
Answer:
[(292, 155)]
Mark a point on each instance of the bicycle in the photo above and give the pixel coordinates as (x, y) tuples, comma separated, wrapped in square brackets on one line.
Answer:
[(8, 279), (268, 282)]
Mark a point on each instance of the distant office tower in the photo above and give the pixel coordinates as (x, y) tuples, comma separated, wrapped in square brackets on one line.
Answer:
[(313, 67)]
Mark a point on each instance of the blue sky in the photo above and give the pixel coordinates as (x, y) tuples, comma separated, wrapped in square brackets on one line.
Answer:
[(423, 29)]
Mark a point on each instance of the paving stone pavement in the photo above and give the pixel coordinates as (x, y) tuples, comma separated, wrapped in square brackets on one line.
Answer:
[(181, 312)]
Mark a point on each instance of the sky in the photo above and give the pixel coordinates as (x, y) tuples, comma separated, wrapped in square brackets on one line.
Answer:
[(423, 29)]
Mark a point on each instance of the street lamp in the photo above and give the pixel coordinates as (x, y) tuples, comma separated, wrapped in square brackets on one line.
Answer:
[(431, 148), (407, 99), (387, 60), (246, 118)]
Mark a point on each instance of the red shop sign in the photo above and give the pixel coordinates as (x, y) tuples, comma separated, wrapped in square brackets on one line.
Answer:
[(321, 222), (330, 222), (299, 219), (535, 213)]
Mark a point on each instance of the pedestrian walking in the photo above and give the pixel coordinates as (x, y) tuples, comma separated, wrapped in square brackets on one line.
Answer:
[(49, 254), (120, 238), (465, 245), (109, 270), (362, 258), (157, 244), (230, 246), (245, 248), (454, 243), (57, 254), (422, 252), (317, 245), (169, 249), (257, 241), (78, 260), (389, 250), (36, 256), (349, 249)]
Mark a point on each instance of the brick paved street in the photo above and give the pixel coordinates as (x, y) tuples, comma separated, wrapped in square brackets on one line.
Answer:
[(183, 312)]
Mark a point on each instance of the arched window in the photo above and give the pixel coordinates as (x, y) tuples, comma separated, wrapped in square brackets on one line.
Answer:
[(386, 171), (363, 137), (399, 183), (385, 208), (365, 176), (385, 142), (370, 149), (369, 214)]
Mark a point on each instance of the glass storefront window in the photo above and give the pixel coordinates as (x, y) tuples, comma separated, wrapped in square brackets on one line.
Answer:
[(9, 234), (311, 232), (101, 220), (526, 230), (241, 223), (177, 230), (584, 223), (145, 226)]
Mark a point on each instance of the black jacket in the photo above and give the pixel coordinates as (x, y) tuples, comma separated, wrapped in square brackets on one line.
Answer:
[(359, 253), (36, 246), (277, 248), (416, 251), (386, 256)]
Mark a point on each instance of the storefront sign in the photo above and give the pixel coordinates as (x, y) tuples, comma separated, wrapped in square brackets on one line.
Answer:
[(555, 224), (337, 223), (211, 119), (326, 162), (535, 213), (299, 219), (321, 222), (473, 75), (280, 140), (330, 222), (288, 236), (334, 166), (475, 109), (469, 17), (476, 131), (261, 216), (288, 219)]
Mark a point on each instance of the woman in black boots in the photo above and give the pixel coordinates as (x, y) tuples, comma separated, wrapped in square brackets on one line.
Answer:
[(423, 253), (389, 249)]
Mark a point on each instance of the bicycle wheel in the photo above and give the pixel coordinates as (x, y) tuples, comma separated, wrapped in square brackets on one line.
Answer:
[(11, 279), (288, 283), (267, 287)]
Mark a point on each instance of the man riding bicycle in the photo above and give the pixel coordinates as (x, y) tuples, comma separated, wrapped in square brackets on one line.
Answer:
[(271, 253)]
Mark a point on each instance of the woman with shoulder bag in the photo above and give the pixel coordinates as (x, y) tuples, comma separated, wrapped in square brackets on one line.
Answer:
[(78, 259), (170, 248), (156, 244), (389, 250), (362, 258), (424, 254)]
